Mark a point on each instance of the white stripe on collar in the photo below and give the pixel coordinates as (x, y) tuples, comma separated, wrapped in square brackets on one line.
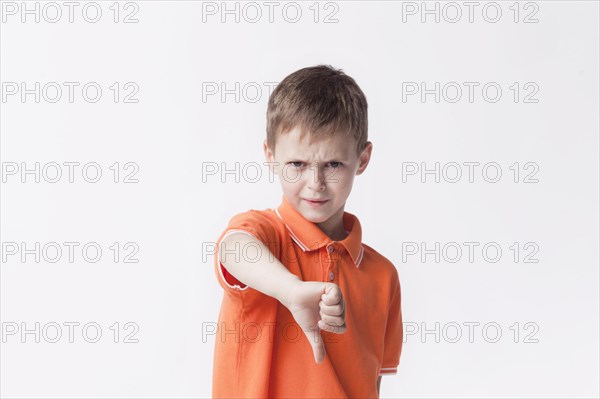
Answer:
[(360, 255), (305, 248), (296, 239)]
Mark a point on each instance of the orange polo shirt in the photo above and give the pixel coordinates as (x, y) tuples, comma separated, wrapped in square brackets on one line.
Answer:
[(260, 351)]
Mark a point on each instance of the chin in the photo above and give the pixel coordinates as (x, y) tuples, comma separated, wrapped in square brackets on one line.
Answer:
[(315, 217)]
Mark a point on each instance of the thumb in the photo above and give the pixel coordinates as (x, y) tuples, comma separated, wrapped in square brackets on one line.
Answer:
[(332, 294), (316, 342)]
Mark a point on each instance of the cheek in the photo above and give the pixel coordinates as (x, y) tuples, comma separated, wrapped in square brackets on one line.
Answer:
[(289, 175), (340, 180), (290, 185)]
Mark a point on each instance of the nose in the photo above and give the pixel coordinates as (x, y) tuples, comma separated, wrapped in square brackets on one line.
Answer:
[(316, 179)]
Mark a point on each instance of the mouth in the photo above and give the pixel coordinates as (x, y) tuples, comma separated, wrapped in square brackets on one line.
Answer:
[(315, 202)]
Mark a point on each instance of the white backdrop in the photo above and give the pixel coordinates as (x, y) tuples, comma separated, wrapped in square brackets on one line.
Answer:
[(497, 100)]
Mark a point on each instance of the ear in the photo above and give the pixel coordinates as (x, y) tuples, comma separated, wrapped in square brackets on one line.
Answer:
[(270, 157), (365, 157)]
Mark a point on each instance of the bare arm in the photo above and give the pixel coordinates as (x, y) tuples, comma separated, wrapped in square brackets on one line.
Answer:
[(314, 305), (378, 385), (264, 272)]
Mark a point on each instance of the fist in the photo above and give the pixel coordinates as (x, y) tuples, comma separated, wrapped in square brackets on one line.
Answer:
[(332, 310), (318, 306)]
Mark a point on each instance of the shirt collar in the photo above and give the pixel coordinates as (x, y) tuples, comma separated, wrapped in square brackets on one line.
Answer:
[(309, 237)]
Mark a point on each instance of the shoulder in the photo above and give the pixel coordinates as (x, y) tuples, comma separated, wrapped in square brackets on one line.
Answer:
[(264, 224), (376, 259), (256, 216), (380, 264)]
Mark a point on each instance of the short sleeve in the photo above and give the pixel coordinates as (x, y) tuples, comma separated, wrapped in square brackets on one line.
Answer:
[(393, 333), (254, 223)]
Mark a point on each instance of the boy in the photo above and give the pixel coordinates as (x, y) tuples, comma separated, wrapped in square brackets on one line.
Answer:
[(308, 309)]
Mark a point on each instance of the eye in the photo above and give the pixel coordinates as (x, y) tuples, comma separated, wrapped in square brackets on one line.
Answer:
[(335, 164), (296, 164)]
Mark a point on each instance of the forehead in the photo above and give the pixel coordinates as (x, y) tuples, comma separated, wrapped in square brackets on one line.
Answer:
[(291, 145)]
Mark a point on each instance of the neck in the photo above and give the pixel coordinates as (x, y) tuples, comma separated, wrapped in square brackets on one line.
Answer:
[(334, 226)]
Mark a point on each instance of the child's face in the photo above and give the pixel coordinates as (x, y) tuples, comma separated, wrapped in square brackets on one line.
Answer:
[(322, 170)]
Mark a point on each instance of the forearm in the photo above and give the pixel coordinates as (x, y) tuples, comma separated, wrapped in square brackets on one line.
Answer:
[(264, 273)]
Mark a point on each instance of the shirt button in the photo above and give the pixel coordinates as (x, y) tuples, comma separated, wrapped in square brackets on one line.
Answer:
[(331, 276), (330, 249)]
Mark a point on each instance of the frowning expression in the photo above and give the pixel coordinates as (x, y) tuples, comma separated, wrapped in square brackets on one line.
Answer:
[(316, 177)]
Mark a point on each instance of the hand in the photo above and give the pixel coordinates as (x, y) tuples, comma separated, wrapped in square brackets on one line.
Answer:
[(317, 306)]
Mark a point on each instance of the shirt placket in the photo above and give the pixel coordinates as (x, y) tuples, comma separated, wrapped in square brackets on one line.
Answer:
[(331, 263)]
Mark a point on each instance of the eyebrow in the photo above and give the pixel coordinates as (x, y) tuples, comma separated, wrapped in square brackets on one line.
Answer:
[(293, 159)]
